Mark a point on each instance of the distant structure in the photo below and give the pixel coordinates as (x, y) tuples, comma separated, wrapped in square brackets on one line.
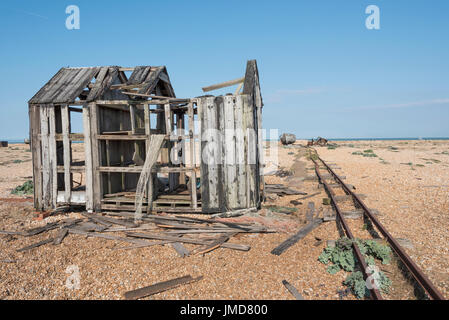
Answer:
[(142, 145)]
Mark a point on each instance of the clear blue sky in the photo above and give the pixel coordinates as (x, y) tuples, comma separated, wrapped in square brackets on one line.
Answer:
[(322, 72)]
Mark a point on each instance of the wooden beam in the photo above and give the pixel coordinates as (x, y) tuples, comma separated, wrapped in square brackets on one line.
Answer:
[(159, 287), (223, 84)]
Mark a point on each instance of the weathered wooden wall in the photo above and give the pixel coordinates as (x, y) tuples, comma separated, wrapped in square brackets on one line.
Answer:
[(229, 144)]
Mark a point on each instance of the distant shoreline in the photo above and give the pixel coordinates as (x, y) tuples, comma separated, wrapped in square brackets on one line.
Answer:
[(330, 139)]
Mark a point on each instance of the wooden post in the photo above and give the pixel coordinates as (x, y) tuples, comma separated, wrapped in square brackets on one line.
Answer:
[(35, 129), (96, 160), (46, 182), (53, 157), (88, 158), (65, 119)]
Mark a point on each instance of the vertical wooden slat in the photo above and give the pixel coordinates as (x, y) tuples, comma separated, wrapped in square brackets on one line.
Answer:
[(147, 120), (229, 167), (53, 157), (211, 195), (35, 129), (251, 143), (46, 183), (97, 185), (240, 153), (88, 158), (65, 119), (191, 125)]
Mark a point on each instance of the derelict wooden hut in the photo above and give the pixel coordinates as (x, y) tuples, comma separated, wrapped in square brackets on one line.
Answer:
[(143, 147)]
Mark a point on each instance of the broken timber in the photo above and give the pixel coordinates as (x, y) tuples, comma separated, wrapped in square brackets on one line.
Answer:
[(296, 237), (159, 287), (292, 290)]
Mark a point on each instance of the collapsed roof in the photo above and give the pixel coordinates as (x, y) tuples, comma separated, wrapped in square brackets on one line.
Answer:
[(90, 83)]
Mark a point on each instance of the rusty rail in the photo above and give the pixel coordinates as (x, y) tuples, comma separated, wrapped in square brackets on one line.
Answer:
[(417, 273), (375, 294)]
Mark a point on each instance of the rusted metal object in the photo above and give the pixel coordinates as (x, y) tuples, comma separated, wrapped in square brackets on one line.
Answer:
[(417, 273), (375, 294), (318, 142)]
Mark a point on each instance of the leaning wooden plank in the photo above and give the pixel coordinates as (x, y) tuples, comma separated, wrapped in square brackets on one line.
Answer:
[(35, 245), (159, 287), (296, 237), (151, 158), (186, 240), (61, 235), (180, 249), (292, 290), (223, 84)]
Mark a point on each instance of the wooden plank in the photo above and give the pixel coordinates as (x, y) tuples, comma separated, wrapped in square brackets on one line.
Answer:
[(223, 84), (98, 86), (65, 118), (107, 236), (296, 237), (229, 153), (88, 158), (215, 244), (186, 240), (292, 290), (97, 186), (35, 245), (240, 154), (159, 287), (44, 137), (53, 156), (35, 129), (180, 249), (60, 236), (211, 156), (151, 158)]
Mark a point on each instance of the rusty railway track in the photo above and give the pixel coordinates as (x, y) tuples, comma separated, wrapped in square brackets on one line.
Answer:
[(414, 270)]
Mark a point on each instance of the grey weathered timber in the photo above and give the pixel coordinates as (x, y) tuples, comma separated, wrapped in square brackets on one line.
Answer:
[(60, 236), (296, 237), (88, 158), (35, 245), (234, 246), (65, 119), (152, 154), (180, 249), (159, 287), (292, 290), (117, 132)]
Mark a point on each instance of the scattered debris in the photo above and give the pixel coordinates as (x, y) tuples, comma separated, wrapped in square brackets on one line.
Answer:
[(292, 290), (288, 138), (295, 202), (159, 287), (279, 209), (281, 190), (318, 142), (296, 237)]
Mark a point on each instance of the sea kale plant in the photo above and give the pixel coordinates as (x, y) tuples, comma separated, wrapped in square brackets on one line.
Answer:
[(341, 257)]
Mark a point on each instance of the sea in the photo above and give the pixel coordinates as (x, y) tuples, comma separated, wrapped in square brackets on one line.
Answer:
[(18, 141)]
